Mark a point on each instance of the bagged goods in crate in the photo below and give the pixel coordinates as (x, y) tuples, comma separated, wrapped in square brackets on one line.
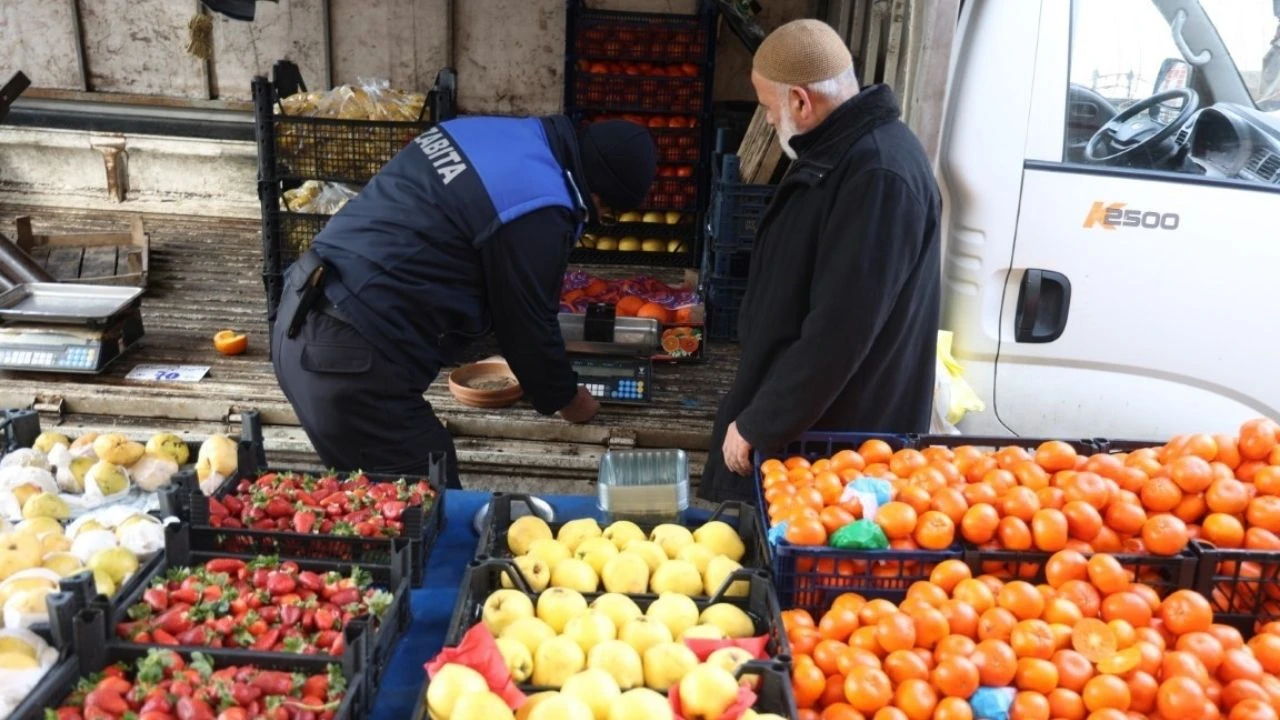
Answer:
[(317, 197), (371, 99), (640, 296)]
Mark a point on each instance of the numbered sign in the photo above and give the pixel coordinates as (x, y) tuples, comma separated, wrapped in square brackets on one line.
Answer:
[(168, 373)]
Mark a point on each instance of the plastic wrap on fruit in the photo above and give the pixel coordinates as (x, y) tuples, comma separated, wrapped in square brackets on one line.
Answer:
[(17, 476), (141, 534), (479, 653), (703, 647), (25, 457), (859, 535), (742, 703), (104, 483), (24, 659), (318, 198), (992, 703)]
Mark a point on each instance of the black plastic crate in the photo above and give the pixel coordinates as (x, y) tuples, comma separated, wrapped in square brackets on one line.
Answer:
[(1082, 446), (376, 641), (422, 524), (724, 265), (1242, 586), (733, 219), (812, 577), (484, 576), (93, 656), (724, 300), (741, 516), (589, 256), (640, 37), (297, 230), (635, 93), (679, 139)]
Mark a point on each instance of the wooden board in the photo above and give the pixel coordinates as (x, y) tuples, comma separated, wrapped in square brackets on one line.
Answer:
[(98, 258), (760, 152), (206, 277)]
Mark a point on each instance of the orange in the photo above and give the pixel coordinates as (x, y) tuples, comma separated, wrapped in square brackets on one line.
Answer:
[(629, 305), (956, 676), (230, 342), (1093, 639), (655, 311), (1186, 611)]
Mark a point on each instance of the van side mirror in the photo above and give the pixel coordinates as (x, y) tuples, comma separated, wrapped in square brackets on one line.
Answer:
[(1174, 73)]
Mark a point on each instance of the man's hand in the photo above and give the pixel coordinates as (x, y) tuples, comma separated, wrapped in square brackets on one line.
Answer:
[(582, 408), (736, 451)]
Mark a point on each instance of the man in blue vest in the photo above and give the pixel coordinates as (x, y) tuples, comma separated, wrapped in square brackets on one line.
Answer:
[(466, 230)]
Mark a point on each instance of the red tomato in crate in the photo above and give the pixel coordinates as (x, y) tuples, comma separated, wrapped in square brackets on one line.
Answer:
[(666, 171), (677, 122), (684, 171), (690, 70), (657, 121)]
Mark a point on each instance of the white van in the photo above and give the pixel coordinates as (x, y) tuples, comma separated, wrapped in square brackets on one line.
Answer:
[(1111, 170)]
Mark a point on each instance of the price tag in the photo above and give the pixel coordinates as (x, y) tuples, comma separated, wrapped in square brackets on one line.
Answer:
[(168, 373)]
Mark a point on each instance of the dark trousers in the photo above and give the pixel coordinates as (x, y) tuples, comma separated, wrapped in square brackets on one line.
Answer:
[(360, 410)]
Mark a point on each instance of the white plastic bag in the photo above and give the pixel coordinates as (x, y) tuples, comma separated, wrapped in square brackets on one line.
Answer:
[(953, 397)]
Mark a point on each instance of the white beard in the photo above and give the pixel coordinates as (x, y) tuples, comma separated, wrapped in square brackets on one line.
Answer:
[(786, 131)]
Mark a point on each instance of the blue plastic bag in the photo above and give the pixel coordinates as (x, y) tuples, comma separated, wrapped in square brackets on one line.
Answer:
[(877, 487), (776, 533), (992, 703)]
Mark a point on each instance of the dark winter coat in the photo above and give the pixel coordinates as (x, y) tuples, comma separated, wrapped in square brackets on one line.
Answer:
[(839, 324)]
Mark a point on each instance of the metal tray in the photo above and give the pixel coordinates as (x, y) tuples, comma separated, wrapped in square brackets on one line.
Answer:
[(91, 305), (631, 336)]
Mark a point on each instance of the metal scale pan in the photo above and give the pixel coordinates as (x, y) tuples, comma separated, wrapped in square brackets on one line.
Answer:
[(67, 304)]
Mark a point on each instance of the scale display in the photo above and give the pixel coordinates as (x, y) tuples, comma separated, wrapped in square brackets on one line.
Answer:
[(615, 380), (64, 348)]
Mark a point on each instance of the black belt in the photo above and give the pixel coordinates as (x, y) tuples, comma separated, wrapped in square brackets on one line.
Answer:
[(314, 274)]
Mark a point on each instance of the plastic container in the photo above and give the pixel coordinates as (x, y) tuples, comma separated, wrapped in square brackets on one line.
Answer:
[(93, 656), (643, 486), (736, 209), (1243, 586), (504, 508), (485, 575), (377, 639)]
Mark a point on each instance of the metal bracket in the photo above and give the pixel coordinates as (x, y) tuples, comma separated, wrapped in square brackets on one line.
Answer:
[(51, 405), (115, 160), (621, 440)]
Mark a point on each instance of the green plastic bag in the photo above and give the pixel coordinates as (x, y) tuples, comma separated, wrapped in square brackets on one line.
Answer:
[(859, 535)]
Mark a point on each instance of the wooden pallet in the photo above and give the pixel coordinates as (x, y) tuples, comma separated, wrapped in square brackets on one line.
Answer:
[(118, 258)]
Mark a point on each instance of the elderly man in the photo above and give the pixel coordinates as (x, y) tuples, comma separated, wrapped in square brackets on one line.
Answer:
[(840, 320)]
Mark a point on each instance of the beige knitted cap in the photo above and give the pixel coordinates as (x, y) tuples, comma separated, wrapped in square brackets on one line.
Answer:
[(802, 52)]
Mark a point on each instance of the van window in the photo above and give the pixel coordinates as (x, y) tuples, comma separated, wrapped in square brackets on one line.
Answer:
[(1122, 51)]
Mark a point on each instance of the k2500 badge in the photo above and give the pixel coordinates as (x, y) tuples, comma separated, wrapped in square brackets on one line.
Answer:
[(1110, 216)]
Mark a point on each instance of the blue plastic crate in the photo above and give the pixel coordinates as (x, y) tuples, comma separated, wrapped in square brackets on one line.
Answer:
[(736, 209)]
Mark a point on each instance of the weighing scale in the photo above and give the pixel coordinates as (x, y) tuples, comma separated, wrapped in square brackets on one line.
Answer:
[(72, 328), (611, 354)]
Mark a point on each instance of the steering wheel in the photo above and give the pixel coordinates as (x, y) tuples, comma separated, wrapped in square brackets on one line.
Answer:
[(1134, 133)]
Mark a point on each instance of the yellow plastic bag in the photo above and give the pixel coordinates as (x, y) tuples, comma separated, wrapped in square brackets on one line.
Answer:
[(953, 398)]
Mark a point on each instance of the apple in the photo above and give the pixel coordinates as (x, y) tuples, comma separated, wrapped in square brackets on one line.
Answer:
[(524, 530), (574, 532), (626, 573), (558, 605), (666, 664), (481, 706), (504, 607), (652, 553), (677, 612), (620, 660), (706, 692), (534, 571), (561, 707), (641, 704), (46, 441), (530, 632), (590, 629), (622, 532), (617, 607), (556, 660), (699, 555), (19, 551), (531, 702), (721, 539), (643, 633), (596, 551), (730, 618), (596, 688), (170, 446), (575, 574), (516, 656), (719, 568), (451, 683), (676, 576), (703, 631), (671, 537), (731, 658), (551, 552)]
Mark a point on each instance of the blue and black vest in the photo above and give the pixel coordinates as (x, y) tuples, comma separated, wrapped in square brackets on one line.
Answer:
[(405, 250)]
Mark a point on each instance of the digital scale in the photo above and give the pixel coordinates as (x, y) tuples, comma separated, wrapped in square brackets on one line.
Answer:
[(611, 355), (71, 328)]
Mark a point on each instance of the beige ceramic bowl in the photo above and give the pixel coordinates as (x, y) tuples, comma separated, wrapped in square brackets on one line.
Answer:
[(486, 384)]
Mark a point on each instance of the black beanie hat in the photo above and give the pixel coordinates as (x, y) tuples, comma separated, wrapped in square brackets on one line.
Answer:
[(620, 161)]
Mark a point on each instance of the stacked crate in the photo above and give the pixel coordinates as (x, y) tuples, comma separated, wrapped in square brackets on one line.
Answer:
[(732, 223), (656, 70), (293, 149)]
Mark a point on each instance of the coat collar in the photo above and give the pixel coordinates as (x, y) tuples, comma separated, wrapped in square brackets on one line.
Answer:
[(821, 148)]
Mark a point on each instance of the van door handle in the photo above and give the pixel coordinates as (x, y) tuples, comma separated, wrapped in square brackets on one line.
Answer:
[(1043, 302)]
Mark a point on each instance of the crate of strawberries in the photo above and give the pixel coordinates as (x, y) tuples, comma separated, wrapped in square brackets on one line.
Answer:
[(351, 517), (120, 681), (258, 605)]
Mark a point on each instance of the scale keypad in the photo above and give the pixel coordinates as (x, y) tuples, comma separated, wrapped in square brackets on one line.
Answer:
[(69, 358)]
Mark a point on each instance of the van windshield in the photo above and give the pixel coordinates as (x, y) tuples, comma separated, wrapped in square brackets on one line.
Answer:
[(1251, 31)]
